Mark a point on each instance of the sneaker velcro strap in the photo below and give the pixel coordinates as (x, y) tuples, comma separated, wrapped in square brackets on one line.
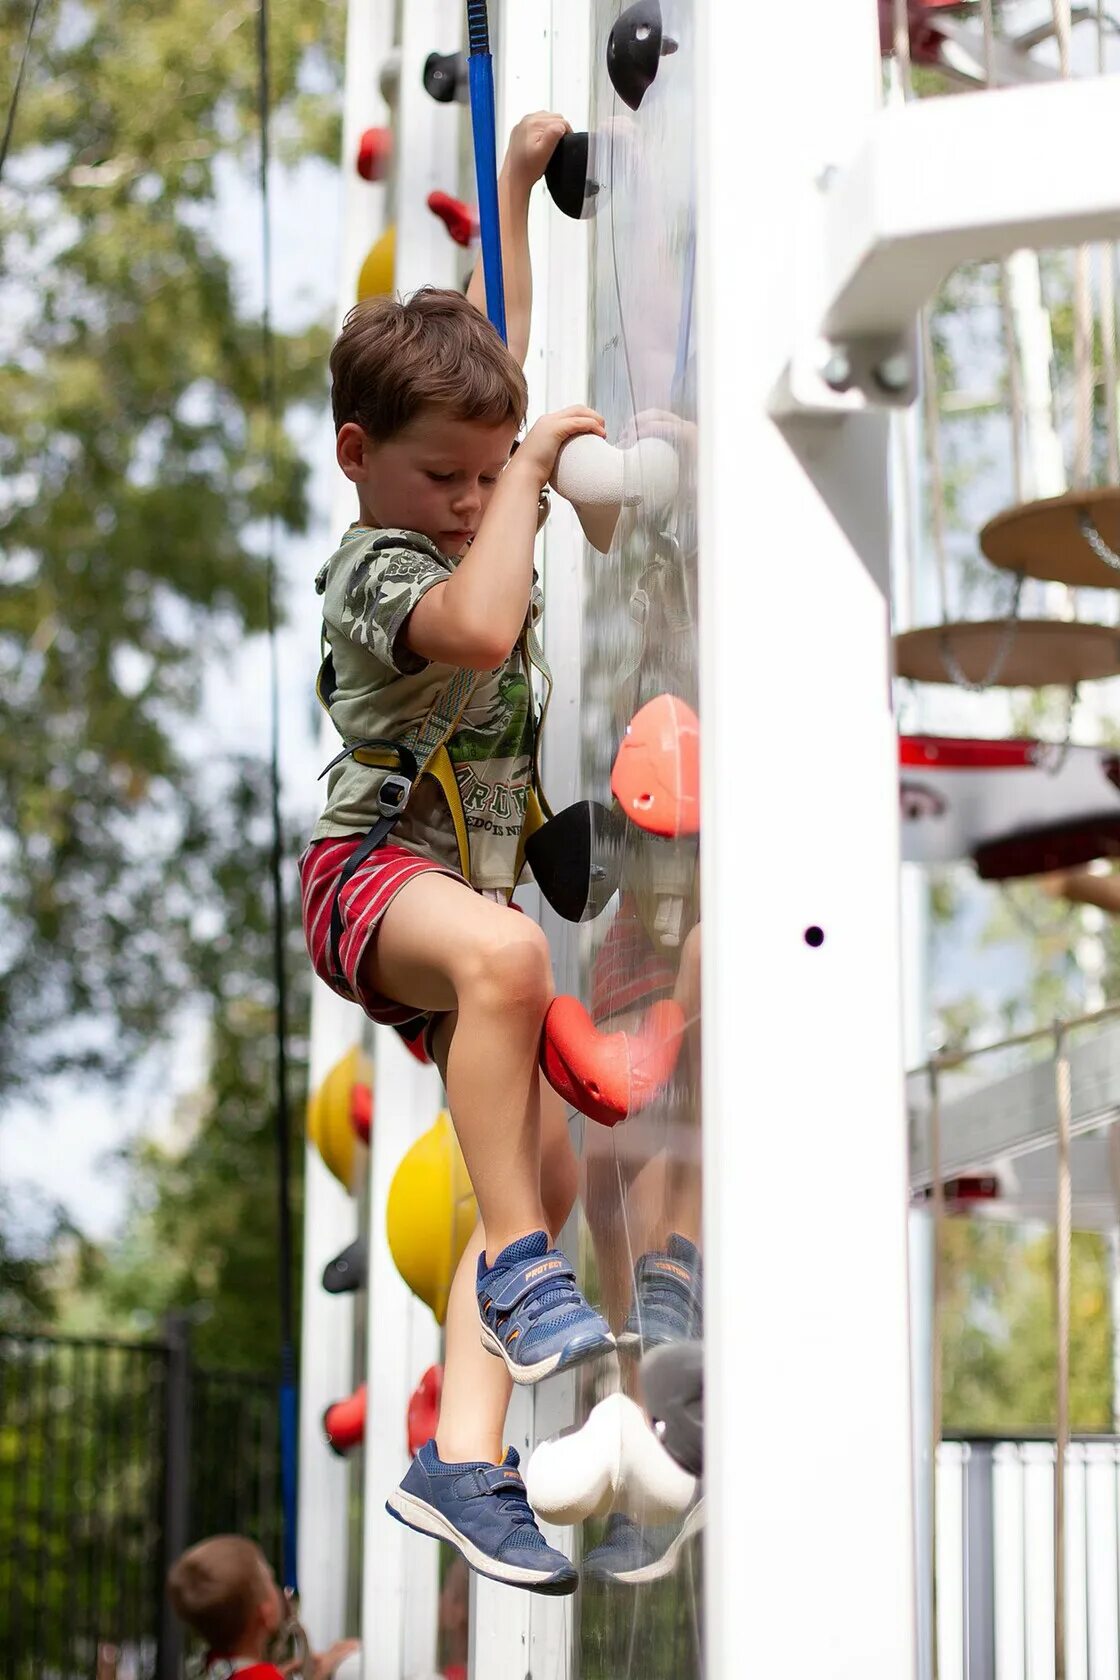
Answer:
[(503, 1480), (475, 1483), (551, 1268)]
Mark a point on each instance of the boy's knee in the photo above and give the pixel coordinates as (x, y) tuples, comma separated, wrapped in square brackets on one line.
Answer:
[(511, 968)]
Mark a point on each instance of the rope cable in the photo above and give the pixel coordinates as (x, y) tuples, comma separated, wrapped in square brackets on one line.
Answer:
[(17, 85), (279, 962), (936, 1362), (931, 417), (1107, 290), (1007, 317), (1062, 1257)]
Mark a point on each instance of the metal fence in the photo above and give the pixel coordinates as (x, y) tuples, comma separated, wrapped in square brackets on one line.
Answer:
[(113, 1457), (995, 1559)]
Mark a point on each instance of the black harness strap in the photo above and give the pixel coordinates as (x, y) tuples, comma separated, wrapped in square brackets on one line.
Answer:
[(391, 800)]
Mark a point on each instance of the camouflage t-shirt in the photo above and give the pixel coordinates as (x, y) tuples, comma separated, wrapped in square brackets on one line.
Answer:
[(384, 689)]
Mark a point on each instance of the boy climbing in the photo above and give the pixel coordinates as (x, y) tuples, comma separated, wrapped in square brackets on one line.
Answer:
[(429, 606)]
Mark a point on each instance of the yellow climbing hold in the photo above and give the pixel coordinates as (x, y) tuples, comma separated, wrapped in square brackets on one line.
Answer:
[(431, 1213), (338, 1112), (376, 278)]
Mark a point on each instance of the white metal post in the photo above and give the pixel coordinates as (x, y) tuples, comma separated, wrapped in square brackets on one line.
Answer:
[(330, 1215), (400, 1573), (401, 1570), (541, 63), (809, 1540)]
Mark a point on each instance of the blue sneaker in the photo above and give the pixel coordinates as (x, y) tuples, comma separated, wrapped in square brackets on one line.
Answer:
[(668, 1302), (481, 1509), (633, 1555), (533, 1316)]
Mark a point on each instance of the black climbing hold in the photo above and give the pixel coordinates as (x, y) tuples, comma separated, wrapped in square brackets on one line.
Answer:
[(347, 1271), (636, 46), (570, 177), (445, 77), (576, 859)]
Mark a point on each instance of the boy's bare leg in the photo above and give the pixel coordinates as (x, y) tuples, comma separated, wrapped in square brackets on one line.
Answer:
[(476, 1386), (441, 947)]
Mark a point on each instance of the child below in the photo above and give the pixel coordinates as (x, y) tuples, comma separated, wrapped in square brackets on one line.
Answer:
[(428, 606), (224, 1591)]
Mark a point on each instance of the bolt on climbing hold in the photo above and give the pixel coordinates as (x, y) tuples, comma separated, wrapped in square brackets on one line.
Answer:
[(635, 48), (570, 177), (445, 77)]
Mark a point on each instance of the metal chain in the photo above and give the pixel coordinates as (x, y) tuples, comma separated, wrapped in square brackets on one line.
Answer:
[(952, 665), (1096, 542)]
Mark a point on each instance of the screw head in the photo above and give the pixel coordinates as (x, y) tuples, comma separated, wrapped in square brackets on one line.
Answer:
[(893, 373), (836, 369)]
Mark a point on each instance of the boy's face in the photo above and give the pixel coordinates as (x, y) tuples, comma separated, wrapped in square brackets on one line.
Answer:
[(436, 477)]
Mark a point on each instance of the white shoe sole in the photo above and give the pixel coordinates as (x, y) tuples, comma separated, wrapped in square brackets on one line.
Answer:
[(565, 1360), (662, 1566), (417, 1514)]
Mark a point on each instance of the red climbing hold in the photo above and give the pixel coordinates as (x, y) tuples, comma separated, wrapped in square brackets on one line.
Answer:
[(344, 1423), (375, 151), (609, 1076), (361, 1110), (458, 218), (423, 1408), (656, 775)]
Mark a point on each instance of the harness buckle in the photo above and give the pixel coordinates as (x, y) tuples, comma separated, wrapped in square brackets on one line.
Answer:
[(392, 796)]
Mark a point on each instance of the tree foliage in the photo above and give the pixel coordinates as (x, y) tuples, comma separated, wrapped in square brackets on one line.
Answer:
[(135, 479), (998, 1323)]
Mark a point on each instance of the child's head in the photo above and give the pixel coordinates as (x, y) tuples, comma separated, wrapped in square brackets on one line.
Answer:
[(427, 402), (225, 1591)]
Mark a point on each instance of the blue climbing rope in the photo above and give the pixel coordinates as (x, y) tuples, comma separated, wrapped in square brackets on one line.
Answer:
[(480, 71)]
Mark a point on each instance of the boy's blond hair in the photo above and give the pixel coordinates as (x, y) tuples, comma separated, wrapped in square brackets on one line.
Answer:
[(216, 1586), (395, 359)]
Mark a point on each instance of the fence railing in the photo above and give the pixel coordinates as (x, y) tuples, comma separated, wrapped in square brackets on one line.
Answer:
[(113, 1457), (995, 1559)]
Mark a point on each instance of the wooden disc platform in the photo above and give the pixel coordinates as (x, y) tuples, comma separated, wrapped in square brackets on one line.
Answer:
[(1046, 540), (1037, 653)]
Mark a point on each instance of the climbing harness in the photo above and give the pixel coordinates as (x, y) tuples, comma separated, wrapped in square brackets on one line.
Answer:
[(424, 752)]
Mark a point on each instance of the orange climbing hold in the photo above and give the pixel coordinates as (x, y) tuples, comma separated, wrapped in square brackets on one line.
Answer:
[(458, 218), (344, 1423), (656, 775), (609, 1076)]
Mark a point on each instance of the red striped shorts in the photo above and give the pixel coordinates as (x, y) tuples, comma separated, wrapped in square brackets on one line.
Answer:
[(365, 898), (629, 971)]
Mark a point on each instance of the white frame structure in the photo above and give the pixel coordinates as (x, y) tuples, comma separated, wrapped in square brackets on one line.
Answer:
[(824, 223), (810, 1552)]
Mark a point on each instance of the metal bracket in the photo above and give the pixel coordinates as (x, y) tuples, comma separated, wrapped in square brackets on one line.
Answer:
[(842, 376)]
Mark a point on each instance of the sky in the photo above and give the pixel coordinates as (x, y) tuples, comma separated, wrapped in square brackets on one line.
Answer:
[(62, 1150)]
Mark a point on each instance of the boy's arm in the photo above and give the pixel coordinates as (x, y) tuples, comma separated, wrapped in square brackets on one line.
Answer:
[(531, 145), (475, 618)]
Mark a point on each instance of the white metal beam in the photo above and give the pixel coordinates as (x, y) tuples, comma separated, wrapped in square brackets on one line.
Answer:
[(400, 1577), (330, 1216), (809, 1552), (941, 182)]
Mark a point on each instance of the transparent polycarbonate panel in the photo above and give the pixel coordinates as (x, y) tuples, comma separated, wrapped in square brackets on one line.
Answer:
[(641, 1605)]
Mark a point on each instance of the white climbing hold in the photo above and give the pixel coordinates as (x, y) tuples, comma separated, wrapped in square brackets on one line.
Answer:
[(600, 480), (614, 1463)]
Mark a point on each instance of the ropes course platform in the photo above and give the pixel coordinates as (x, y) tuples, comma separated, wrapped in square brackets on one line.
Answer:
[(1000, 1122)]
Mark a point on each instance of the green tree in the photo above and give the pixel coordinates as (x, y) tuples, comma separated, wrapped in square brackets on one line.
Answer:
[(999, 1348), (136, 478)]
